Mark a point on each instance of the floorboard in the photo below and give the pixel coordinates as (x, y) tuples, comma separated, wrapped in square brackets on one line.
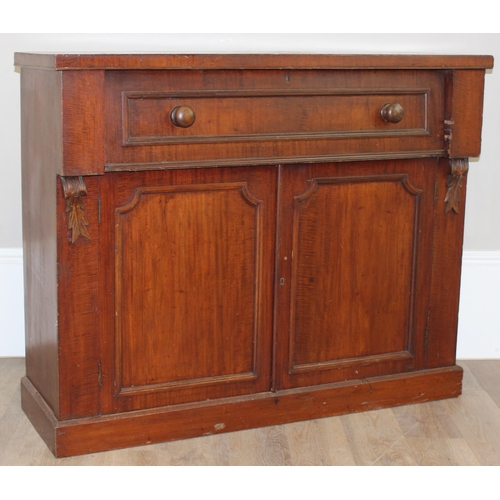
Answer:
[(460, 431)]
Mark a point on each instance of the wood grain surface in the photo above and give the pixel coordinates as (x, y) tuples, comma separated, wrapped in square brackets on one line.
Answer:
[(254, 61)]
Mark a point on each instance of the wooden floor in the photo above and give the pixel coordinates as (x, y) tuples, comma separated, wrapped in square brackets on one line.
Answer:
[(460, 431)]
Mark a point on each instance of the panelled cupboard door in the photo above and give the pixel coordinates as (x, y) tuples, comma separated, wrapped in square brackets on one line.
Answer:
[(187, 268), (354, 260)]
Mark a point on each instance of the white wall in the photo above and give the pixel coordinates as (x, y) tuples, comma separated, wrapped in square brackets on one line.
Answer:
[(482, 231)]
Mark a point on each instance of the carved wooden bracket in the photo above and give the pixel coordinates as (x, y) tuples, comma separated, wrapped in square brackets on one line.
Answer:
[(74, 188), (459, 168)]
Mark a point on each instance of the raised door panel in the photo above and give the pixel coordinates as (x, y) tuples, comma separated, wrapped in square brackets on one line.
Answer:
[(354, 268), (193, 257)]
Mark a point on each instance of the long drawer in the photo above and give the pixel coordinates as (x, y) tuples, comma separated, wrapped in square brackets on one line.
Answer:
[(173, 119)]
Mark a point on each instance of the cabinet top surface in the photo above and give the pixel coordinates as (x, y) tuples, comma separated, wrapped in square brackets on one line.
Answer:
[(72, 61)]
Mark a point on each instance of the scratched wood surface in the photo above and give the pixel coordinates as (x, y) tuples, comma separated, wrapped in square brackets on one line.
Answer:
[(460, 431)]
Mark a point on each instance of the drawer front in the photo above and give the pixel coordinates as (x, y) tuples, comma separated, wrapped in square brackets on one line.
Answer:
[(221, 116), (182, 118)]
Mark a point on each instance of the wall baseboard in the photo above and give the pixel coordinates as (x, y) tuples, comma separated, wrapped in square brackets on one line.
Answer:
[(479, 317), (11, 302), (479, 320)]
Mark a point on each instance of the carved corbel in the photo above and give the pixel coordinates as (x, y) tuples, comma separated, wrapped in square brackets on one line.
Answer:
[(74, 188), (459, 168)]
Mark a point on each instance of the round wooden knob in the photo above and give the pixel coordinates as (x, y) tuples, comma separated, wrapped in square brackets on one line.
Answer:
[(392, 112), (182, 116)]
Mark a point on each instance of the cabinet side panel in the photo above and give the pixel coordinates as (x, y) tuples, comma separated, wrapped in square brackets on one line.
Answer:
[(41, 157), (446, 272), (78, 263)]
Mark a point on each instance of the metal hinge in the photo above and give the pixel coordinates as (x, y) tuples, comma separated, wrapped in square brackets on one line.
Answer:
[(99, 375), (99, 210), (435, 193), (426, 339)]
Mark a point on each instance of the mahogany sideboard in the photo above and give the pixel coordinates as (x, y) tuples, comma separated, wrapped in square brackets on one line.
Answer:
[(219, 242)]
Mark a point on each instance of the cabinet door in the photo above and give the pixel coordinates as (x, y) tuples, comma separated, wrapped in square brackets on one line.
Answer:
[(354, 260), (187, 268)]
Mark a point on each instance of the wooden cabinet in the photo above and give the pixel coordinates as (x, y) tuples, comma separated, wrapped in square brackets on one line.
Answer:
[(219, 242)]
